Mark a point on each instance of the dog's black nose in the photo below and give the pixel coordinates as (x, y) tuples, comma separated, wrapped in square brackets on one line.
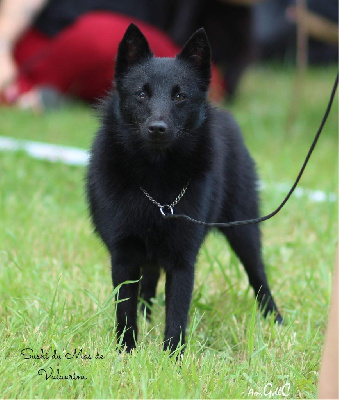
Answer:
[(157, 128)]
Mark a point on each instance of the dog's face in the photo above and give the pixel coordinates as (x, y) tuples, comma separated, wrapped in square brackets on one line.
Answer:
[(162, 99)]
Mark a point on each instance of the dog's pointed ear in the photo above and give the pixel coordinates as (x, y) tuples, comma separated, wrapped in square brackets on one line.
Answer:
[(197, 51), (132, 49)]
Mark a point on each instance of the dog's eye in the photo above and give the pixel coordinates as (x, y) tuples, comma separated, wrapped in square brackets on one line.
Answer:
[(142, 94), (179, 97)]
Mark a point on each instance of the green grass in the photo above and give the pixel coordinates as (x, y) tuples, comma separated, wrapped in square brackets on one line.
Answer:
[(55, 276)]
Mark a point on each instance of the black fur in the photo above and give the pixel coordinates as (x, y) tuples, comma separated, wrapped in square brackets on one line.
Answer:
[(159, 132)]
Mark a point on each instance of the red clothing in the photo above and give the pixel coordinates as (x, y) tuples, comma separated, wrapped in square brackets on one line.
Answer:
[(80, 59)]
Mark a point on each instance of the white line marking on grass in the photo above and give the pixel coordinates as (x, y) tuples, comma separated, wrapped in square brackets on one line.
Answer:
[(317, 196), (46, 151), (75, 156)]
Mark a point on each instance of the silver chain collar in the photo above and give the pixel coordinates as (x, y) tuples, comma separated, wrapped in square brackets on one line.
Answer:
[(166, 208)]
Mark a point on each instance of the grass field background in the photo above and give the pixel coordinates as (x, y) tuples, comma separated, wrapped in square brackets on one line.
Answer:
[(55, 280)]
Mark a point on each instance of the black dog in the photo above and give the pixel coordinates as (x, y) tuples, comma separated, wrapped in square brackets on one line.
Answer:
[(159, 136)]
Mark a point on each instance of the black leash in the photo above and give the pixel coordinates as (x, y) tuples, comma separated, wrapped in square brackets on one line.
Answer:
[(272, 214)]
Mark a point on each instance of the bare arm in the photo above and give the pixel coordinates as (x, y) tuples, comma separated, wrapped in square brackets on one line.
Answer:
[(15, 17)]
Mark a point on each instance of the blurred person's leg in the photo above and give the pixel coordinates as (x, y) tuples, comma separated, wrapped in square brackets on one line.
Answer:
[(328, 379), (274, 33)]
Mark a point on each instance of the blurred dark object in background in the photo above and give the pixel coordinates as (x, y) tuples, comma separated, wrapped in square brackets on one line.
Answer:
[(275, 30), (240, 31), (228, 27)]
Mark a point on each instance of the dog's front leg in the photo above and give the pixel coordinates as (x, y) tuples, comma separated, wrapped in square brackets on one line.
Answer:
[(179, 287), (125, 267)]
